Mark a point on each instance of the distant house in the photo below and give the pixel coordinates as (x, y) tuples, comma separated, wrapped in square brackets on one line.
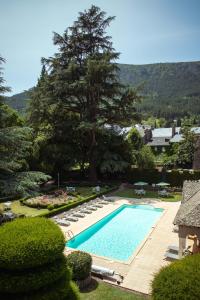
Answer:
[(159, 139), (163, 137)]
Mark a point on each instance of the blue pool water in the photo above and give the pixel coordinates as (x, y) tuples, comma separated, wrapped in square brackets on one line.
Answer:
[(117, 235)]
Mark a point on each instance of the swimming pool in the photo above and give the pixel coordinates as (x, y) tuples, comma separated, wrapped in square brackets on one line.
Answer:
[(118, 234)]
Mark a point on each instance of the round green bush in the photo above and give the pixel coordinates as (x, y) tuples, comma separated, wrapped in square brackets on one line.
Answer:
[(29, 242), (80, 264), (180, 280), (33, 279)]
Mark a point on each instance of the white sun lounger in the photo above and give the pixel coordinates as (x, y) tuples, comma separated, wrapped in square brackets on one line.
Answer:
[(106, 272), (71, 218), (97, 205), (91, 207), (78, 214), (107, 199), (62, 222), (173, 248), (85, 211), (103, 202), (171, 255)]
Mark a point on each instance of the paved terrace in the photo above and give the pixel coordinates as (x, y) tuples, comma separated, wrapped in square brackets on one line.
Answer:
[(149, 256)]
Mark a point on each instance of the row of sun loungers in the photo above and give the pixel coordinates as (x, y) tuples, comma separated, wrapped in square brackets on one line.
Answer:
[(81, 211)]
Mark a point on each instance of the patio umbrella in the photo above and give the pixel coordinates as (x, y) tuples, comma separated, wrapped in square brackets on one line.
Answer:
[(141, 183), (162, 184)]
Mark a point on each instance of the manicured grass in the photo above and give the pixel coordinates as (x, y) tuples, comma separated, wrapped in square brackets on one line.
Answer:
[(102, 291), (17, 208), (32, 212), (87, 191), (129, 193)]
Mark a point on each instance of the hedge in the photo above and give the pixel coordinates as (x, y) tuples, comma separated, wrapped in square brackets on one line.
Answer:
[(80, 264), (54, 212), (29, 243), (33, 279), (180, 280), (174, 177)]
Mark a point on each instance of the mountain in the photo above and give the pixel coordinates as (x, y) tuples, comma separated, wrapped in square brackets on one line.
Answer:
[(18, 101), (171, 90)]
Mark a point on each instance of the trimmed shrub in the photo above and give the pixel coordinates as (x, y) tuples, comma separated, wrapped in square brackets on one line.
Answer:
[(80, 264), (32, 264), (29, 243), (57, 291), (33, 279), (180, 280), (73, 293)]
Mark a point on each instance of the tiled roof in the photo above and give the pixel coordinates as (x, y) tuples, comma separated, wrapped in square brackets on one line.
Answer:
[(177, 138), (164, 132), (159, 141), (189, 211)]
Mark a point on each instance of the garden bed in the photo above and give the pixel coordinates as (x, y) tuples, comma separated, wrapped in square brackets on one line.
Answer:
[(84, 194)]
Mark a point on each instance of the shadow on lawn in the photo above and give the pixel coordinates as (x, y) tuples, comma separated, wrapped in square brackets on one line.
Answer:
[(92, 286)]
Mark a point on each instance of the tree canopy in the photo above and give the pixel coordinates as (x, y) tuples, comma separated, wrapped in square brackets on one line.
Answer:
[(83, 80)]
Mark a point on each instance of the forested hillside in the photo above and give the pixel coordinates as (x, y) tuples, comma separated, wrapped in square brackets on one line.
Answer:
[(172, 89), (18, 101)]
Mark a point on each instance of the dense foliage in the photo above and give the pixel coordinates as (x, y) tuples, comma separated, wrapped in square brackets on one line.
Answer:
[(142, 155), (182, 154), (32, 243), (179, 280), (32, 264), (80, 264), (15, 151), (82, 80), (172, 89)]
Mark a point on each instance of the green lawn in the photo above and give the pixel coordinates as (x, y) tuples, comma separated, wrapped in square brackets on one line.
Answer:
[(103, 291), (28, 211), (87, 191), (23, 209), (129, 193)]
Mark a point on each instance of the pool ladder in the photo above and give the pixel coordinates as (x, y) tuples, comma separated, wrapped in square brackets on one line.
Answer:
[(69, 234)]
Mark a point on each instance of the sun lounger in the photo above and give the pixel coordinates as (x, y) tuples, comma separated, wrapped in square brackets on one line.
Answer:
[(105, 272), (89, 207), (85, 211), (97, 205), (78, 214), (107, 199), (71, 218), (173, 248), (103, 202), (62, 222), (171, 255)]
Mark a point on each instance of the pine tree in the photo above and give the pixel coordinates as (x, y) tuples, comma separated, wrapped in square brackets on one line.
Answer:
[(83, 76)]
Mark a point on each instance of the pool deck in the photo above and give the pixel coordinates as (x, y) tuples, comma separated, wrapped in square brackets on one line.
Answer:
[(149, 257)]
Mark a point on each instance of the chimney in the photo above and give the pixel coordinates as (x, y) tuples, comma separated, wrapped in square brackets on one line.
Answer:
[(147, 135), (173, 130)]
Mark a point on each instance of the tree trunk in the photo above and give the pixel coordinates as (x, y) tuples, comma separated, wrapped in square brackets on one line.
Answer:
[(92, 158)]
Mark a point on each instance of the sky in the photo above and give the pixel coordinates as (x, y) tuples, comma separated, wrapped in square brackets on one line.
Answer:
[(144, 31)]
